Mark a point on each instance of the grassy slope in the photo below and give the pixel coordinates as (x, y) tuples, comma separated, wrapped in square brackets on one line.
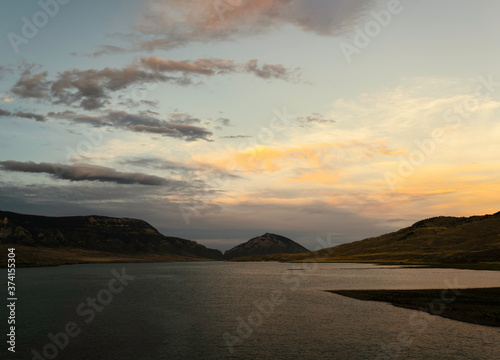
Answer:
[(43, 256), (477, 306), (445, 241)]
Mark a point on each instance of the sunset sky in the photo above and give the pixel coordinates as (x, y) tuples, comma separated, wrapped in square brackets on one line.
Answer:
[(221, 120)]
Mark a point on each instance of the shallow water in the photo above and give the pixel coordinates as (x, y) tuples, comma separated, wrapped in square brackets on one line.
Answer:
[(240, 311)]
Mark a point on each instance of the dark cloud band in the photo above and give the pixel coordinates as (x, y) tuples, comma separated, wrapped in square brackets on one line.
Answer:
[(85, 172), (179, 125), (21, 114)]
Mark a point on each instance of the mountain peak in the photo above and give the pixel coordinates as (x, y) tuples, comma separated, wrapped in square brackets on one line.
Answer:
[(265, 245)]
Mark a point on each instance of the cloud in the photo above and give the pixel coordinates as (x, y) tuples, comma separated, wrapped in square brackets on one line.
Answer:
[(190, 171), (170, 24), (174, 130), (315, 118), (262, 158), (200, 66), (236, 137), (179, 125), (268, 71), (96, 121), (85, 172), (149, 124), (316, 177), (21, 114), (108, 50), (220, 66), (156, 163), (224, 121), (92, 89), (32, 85), (184, 118), (412, 110), (67, 114), (33, 116), (130, 103), (271, 159), (326, 17)]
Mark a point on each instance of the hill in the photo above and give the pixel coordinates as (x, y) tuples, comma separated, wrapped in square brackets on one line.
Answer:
[(448, 240), (265, 245), (95, 236)]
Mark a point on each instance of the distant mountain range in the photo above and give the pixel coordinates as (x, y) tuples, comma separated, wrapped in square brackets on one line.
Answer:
[(44, 240), (265, 245), (448, 240)]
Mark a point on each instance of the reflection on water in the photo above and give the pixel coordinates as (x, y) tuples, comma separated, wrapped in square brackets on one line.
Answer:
[(244, 311)]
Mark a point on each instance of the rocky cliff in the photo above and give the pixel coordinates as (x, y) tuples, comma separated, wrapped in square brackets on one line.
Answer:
[(116, 235)]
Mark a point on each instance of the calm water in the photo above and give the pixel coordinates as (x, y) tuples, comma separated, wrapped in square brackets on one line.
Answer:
[(211, 311)]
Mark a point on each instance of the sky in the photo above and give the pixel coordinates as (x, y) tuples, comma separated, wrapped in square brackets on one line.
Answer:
[(220, 120)]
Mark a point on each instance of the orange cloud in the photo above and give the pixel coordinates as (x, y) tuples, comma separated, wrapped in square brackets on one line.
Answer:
[(273, 159), (316, 177), (169, 24), (242, 200)]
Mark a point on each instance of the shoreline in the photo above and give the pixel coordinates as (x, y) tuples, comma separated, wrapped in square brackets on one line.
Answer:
[(478, 306), (299, 258), (29, 256)]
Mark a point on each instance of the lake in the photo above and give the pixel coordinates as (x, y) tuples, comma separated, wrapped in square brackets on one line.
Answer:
[(221, 310)]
